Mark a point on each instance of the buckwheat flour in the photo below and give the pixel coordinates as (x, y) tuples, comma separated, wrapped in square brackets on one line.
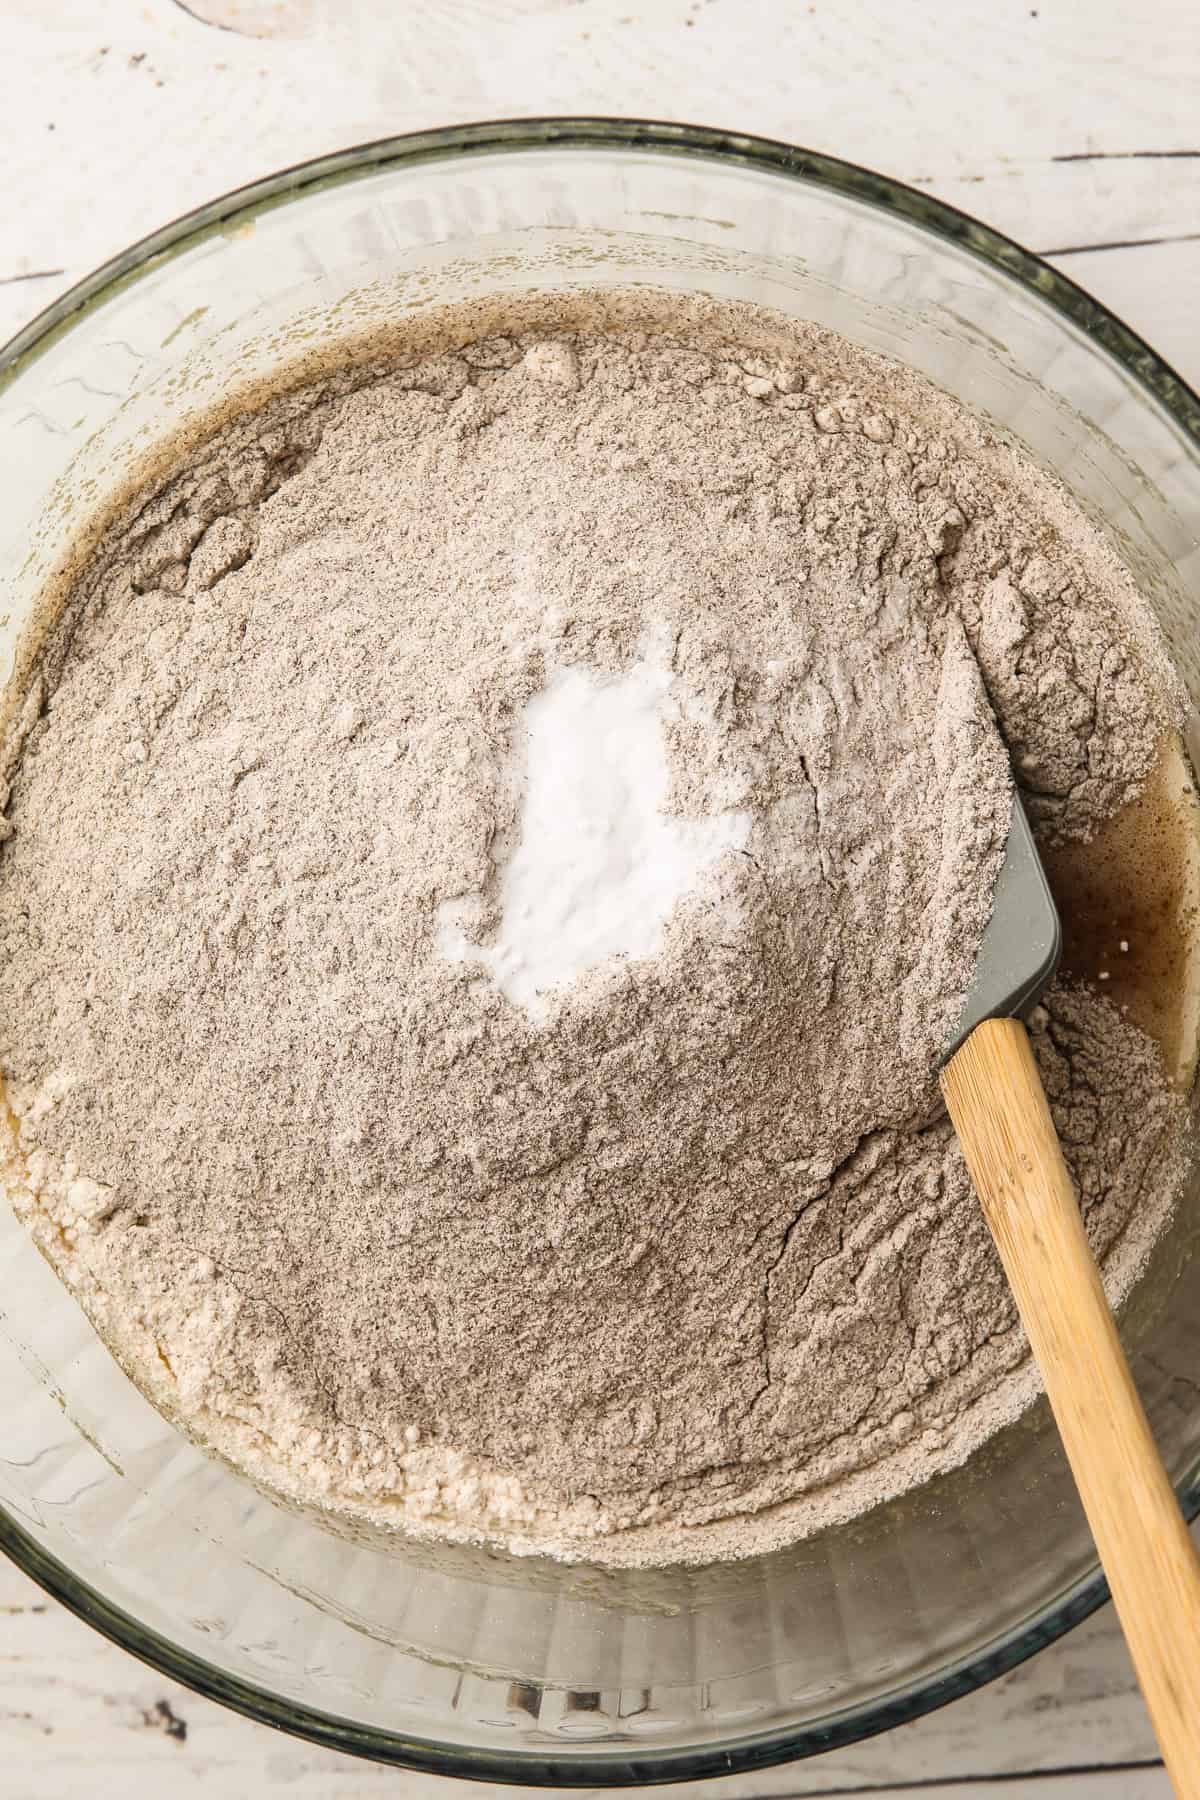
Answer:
[(679, 1258)]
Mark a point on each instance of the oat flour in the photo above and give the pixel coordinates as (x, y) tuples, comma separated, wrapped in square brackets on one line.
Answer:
[(658, 1248)]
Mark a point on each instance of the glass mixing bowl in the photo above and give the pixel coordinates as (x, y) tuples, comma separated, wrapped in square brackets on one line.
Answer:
[(477, 1663)]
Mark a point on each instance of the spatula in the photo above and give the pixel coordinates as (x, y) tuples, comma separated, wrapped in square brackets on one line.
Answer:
[(994, 1096)]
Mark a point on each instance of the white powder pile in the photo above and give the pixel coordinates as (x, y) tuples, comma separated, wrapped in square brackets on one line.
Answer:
[(497, 842), (600, 865)]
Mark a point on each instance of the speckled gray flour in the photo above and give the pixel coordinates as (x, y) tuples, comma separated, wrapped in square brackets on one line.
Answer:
[(692, 1266)]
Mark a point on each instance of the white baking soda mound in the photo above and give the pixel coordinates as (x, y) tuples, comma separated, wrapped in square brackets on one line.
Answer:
[(600, 864)]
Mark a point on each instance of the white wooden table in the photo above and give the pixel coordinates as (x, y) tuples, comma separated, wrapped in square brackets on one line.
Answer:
[(1071, 124)]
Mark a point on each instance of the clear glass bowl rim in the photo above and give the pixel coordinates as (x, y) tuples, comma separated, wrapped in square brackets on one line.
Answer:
[(552, 1768)]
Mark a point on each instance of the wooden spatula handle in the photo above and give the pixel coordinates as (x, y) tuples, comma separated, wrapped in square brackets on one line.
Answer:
[(995, 1097)]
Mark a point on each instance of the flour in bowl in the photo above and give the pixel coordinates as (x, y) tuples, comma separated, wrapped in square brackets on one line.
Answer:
[(498, 840)]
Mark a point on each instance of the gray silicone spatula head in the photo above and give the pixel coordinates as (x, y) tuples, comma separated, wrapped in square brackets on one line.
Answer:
[(1020, 948)]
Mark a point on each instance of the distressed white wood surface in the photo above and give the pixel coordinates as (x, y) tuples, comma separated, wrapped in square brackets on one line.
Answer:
[(1070, 124)]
